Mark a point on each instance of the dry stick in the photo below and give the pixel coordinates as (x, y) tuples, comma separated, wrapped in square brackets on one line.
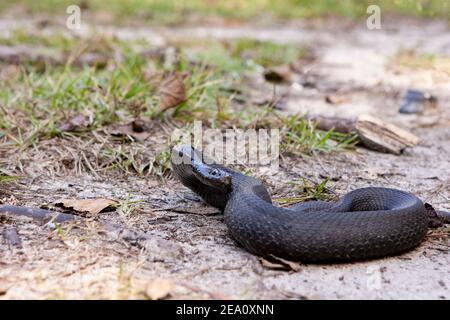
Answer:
[(333, 123), (36, 213), (373, 133)]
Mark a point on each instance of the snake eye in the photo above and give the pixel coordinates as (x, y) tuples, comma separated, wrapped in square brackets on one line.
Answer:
[(215, 172), (180, 153)]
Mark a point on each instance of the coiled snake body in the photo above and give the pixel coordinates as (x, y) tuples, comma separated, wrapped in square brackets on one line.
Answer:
[(365, 223)]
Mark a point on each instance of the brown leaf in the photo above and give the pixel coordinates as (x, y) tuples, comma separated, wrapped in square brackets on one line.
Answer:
[(136, 129), (74, 124), (172, 92), (93, 206), (159, 288), (276, 263), (282, 73)]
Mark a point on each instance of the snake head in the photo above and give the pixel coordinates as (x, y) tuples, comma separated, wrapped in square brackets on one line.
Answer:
[(190, 164), (212, 176)]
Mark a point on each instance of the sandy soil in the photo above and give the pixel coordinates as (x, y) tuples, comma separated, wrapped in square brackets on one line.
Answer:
[(176, 237)]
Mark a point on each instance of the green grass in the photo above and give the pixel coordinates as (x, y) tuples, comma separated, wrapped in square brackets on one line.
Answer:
[(160, 165), (300, 136), (36, 100), (174, 11), (6, 178), (45, 99)]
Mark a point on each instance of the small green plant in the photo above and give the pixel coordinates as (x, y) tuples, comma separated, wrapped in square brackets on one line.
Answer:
[(160, 166), (6, 178), (127, 158), (127, 207), (307, 191)]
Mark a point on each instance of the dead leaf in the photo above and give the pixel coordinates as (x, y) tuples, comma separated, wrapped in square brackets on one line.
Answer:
[(93, 206), (74, 124), (282, 73), (172, 91), (276, 263), (159, 288), (136, 129), (337, 98)]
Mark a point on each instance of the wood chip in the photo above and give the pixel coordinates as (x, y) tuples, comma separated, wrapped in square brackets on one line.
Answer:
[(382, 136)]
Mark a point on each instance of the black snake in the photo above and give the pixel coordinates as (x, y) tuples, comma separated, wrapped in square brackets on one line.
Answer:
[(365, 223)]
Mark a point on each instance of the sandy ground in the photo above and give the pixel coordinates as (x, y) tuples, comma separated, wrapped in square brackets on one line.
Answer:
[(174, 236)]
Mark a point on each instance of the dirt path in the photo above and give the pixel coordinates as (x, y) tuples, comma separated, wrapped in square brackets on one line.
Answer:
[(176, 238)]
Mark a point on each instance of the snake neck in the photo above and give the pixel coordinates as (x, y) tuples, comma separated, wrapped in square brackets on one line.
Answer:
[(242, 184)]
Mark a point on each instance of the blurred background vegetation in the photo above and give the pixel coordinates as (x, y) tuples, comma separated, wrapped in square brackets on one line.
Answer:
[(176, 11)]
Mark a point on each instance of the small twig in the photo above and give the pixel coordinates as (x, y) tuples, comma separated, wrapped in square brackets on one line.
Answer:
[(36, 213)]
